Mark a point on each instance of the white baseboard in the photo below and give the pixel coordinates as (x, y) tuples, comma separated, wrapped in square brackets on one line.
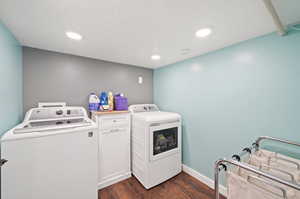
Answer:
[(204, 179), (113, 180)]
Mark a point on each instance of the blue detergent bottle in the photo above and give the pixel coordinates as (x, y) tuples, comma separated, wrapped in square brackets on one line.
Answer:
[(94, 102), (104, 101)]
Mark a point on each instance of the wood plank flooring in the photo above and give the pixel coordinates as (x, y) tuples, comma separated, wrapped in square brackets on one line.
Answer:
[(182, 186)]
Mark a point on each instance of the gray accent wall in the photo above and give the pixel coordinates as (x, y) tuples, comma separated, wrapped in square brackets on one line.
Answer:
[(56, 77)]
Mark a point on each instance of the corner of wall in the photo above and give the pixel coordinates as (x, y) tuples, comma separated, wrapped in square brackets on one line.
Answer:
[(11, 102)]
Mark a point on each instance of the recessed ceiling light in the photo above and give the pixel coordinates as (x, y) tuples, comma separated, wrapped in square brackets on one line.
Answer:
[(155, 57), (204, 32), (74, 35)]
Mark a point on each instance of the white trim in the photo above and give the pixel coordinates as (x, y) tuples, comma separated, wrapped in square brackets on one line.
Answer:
[(114, 180), (204, 179), (277, 21)]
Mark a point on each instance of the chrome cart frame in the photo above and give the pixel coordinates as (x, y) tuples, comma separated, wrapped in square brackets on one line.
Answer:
[(223, 163)]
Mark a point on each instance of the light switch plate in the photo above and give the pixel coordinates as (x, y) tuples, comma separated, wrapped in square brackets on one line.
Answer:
[(140, 79)]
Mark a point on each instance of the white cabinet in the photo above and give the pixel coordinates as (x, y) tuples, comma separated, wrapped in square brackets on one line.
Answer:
[(114, 147)]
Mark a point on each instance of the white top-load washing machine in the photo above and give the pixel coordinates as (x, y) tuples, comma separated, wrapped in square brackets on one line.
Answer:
[(156, 144), (52, 154)]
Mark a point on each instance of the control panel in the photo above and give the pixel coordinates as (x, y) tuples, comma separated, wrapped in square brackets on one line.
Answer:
[(55, 113), (143, 108)]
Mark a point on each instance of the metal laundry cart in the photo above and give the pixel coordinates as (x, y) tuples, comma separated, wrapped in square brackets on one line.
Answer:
[(223, 164)]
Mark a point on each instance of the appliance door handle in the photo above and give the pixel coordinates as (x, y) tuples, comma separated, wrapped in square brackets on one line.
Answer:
[(116, 130), (162, 123)]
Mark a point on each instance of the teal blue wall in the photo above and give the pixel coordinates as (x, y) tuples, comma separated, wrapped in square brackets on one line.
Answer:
[(229, 97), (10, 80)]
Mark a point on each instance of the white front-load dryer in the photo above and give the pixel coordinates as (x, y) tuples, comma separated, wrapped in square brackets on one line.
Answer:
[(156, 144)]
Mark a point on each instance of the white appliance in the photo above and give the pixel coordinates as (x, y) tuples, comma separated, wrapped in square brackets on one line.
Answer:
[(52, 154), (156, 144), (114, 147)]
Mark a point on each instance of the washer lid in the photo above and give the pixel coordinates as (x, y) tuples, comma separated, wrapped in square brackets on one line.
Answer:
[(21, 132), (51, 125), (158, 116)]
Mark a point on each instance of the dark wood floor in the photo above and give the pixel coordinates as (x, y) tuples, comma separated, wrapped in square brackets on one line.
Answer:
[(182, 186)]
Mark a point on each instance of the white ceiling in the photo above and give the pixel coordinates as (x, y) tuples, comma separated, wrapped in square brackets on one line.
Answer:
[(130, 31)]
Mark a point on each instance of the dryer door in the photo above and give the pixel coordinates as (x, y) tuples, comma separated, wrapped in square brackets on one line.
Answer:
[(165, 140)]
